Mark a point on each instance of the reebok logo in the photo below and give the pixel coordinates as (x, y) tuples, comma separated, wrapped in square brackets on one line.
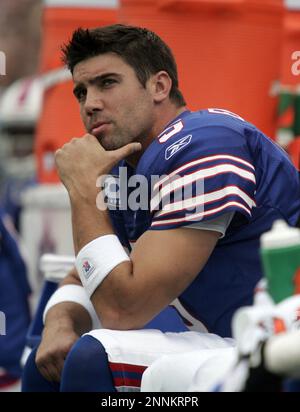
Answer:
[(178, 145)]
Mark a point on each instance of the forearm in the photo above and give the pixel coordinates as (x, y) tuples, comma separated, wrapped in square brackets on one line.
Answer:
[(69, 315), (72, 278), (88, 222), (110, 302)]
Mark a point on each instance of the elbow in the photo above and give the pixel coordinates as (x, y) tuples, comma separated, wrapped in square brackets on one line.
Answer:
[(118, 308)]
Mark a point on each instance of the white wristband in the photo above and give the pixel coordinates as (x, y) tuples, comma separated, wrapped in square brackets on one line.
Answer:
[(76, 294), (97, 259)]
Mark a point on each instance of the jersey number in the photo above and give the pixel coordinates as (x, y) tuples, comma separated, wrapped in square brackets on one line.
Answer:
[(170, 131)]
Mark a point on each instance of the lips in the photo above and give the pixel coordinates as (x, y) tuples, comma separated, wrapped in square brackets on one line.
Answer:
[(98, 127)]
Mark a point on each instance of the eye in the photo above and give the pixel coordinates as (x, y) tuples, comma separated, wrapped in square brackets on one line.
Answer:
[(107, 82), (80, 94)]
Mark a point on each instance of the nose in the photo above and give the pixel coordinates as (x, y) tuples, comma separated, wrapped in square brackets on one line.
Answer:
[(93, 101)]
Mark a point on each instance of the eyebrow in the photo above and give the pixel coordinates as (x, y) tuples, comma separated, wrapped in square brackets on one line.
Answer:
[(94, 80)]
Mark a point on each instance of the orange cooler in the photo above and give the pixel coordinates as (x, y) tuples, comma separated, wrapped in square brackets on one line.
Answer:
[(289, 107), (228, 51)]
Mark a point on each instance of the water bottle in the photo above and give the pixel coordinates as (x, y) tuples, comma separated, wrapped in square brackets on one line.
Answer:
[(280, 252)]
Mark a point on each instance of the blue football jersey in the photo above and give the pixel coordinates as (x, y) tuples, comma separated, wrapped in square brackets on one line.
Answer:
[(14, 305), (205, 164)]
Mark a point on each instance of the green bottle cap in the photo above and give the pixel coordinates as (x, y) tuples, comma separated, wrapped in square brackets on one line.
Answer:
[(281, 235)]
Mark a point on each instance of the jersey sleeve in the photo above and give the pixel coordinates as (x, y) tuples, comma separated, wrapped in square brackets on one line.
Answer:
[(212, 175)]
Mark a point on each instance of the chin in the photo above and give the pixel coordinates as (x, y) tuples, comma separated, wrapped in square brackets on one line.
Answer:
[(104, 141), (108, 145)]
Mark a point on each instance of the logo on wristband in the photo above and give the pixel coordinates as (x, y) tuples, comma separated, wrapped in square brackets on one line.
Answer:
[(88, 269)]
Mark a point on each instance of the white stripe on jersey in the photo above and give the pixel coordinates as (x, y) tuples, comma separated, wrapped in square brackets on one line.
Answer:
[(198, 216), (203, 160), (206, 198), (199, 174), (196, 325)]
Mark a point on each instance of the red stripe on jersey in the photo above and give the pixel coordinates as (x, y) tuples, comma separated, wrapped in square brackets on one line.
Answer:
[(127, 382), (125, 367)]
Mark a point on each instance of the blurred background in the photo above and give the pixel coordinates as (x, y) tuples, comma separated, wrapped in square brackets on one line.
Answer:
[(239, 55)]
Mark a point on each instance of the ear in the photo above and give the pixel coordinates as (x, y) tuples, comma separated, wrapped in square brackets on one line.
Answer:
[(161, 85)]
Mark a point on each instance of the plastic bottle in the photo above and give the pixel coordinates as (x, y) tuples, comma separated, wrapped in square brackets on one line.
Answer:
[(280, 252)]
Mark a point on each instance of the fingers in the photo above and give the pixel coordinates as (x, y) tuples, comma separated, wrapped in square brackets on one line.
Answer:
[(76, 160), (49, 364), (120, 153), (51, 370), (50, 373), (52, 352), (127, 150)]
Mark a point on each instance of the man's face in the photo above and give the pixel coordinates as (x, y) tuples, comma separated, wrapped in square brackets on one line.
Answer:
[(114, 106)]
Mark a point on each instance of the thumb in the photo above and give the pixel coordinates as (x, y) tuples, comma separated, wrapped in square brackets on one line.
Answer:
[(127, 150)]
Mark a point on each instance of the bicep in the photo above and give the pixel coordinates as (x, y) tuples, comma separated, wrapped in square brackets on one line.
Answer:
[(168, 261)]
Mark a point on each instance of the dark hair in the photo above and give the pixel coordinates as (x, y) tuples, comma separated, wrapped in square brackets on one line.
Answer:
[(142, 49)]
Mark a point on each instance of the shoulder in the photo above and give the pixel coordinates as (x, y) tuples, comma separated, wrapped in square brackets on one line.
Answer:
[(195, 135)]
